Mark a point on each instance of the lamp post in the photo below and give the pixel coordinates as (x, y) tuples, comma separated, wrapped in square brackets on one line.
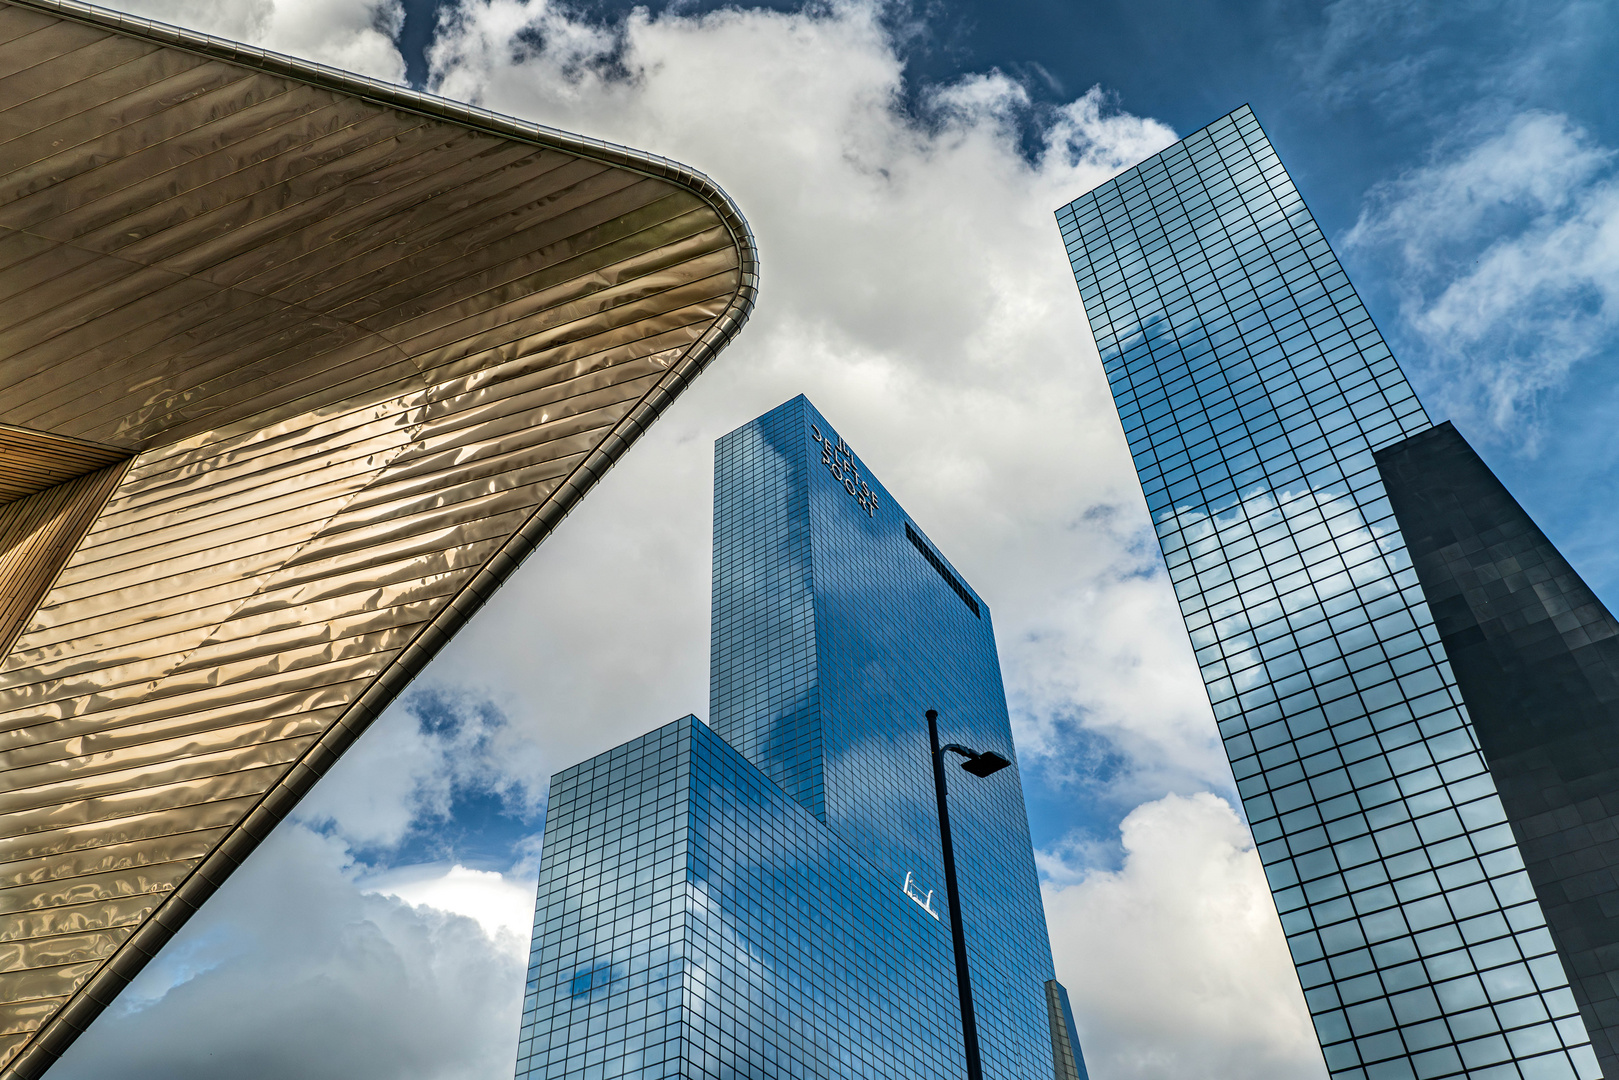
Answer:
[(979, 764)]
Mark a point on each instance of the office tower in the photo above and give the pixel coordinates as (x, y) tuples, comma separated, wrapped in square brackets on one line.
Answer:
[(763, 895), (1536, 657), (1371, 610), (295, 368)]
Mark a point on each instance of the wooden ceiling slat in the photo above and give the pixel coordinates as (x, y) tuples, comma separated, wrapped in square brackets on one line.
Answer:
[(37, 534)]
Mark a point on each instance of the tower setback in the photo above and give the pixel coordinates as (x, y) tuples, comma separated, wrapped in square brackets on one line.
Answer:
[(763, 895)]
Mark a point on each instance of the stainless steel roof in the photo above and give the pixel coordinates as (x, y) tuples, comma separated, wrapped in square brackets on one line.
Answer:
[(295, 367)]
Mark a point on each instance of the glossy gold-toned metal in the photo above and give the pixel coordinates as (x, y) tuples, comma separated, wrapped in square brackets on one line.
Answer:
[(347, 354)]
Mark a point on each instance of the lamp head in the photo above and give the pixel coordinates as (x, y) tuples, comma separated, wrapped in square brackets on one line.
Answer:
[(986, 763)]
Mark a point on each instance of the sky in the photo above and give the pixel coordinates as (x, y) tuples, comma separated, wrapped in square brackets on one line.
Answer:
[(900, 165)]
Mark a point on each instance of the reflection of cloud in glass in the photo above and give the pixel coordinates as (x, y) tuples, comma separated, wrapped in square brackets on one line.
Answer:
[(1379, 826), (1253, 387), (1285, 557)]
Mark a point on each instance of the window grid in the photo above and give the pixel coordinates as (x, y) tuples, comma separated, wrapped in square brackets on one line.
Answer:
[(882, 637), (764, 694), (732, 902), (695, 922), (1253, 387)]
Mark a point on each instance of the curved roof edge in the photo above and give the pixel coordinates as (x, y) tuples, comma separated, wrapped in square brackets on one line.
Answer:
[(404, 98), (95, 995)]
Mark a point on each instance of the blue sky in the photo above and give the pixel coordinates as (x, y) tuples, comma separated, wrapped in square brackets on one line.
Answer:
[(1360, 99), (1357, 96), (900, 165)]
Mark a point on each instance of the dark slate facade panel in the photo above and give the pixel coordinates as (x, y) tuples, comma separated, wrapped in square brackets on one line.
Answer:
[(1536, 656)]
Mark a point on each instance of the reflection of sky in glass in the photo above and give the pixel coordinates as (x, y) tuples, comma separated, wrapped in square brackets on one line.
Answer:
[(833, 633), (694, 921), (1253, 388), (749, 900)]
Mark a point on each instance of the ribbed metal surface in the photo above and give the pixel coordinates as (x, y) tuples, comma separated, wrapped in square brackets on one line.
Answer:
[(366, 349)]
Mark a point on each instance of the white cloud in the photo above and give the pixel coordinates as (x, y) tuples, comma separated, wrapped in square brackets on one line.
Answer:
[(293, 971), (1536, 165), (502, 904), (1506, 251), (1175, 963), (436, 741), (1104, 652), (915, 286), (354, 35)]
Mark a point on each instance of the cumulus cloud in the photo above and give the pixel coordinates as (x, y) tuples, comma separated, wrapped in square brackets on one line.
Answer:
[(1506, 250), (437, 742), (502, 906), (354, 35), (916, 288), (293, 971), (1175, 963)]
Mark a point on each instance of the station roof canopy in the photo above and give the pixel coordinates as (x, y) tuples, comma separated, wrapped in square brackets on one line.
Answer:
[(295, 368)]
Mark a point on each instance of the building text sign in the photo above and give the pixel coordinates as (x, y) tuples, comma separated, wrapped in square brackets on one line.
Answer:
[(839, 461)]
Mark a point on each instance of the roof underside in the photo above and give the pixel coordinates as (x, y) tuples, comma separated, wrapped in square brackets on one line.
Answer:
[(295, 368)]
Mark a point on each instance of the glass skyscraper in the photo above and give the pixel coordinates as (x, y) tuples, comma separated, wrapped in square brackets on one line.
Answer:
[(1417, 695), (763, 895)]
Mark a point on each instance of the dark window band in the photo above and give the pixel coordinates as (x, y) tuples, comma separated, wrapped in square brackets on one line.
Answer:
[(944, 571)]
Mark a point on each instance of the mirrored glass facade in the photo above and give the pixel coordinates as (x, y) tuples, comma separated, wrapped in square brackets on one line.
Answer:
[(694, 921), (1254, 389), (765, 897), (1536, 655)]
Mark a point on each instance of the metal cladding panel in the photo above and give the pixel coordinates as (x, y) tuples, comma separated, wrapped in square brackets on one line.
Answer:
[(361, 350), (1536, 656)]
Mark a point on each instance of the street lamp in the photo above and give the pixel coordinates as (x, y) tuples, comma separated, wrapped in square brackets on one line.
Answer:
[(979, 764)]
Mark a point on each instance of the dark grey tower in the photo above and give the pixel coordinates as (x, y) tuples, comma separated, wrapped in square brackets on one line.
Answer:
[(1536, 656)]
